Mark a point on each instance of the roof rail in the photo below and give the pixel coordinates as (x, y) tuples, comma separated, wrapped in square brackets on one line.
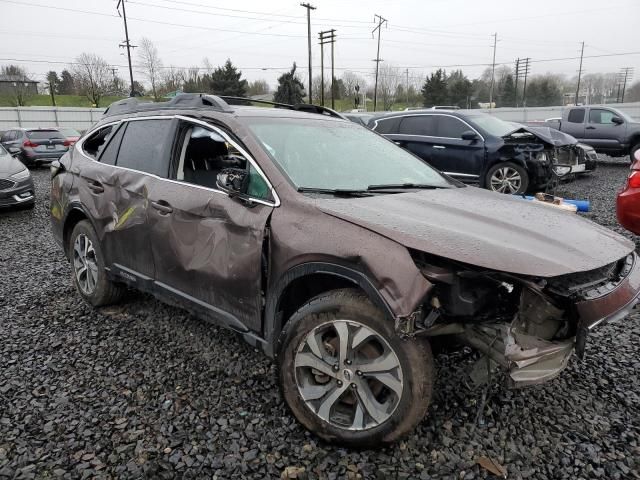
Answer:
[(184, 100), (303, 107)]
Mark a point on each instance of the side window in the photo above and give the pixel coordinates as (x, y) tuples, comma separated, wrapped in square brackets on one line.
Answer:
[(576, 115), (145, 146), (602, 117), (109, 152), (450, 127), (418, 125), (205, 153), (386, 126), (6, 136), (94, 145)]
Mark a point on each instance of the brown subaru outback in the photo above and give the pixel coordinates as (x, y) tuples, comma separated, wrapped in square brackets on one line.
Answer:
[(339, 254)]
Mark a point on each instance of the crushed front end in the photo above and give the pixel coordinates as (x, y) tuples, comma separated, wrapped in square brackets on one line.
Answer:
[(529, 326)]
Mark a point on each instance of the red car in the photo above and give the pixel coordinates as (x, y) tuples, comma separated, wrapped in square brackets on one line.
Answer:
[(71, 135), (628, 202)]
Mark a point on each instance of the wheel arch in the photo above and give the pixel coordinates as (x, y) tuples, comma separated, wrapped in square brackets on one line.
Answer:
[(75, 214), (303, 282)]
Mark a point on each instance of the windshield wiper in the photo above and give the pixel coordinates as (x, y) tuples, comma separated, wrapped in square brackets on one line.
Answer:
[(398, 186), (336, 191)]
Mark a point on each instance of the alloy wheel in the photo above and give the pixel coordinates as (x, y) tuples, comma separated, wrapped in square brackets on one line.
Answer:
[(85, 264), (348, 375), (506, 180)]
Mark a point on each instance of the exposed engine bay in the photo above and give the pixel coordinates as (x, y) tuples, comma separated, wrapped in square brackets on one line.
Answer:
[(529, 326)]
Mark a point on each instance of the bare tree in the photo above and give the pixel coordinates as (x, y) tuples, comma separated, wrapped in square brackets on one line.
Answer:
[(389, 77), (21, 87), (258, 87), (151, 66), (173, 79), (92, 76)]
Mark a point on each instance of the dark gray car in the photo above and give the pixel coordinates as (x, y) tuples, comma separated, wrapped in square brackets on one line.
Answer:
[(35, 146), (16, 184)]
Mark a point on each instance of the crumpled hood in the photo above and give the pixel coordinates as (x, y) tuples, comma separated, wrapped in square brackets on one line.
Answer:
[(485, 229), (9, 165), (546, 134)]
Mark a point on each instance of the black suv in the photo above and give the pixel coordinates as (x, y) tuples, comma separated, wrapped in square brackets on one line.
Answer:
[(478, 148), (340, 255)]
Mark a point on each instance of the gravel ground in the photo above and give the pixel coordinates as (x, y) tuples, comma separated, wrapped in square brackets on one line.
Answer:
[(145, 390)]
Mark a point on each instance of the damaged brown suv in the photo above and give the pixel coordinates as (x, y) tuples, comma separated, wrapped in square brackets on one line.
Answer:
[(339, 254)]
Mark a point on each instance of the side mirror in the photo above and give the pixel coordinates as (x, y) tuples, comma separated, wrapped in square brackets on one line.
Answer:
[(469, 135), (233, 181), (617, 120), (14, 152)]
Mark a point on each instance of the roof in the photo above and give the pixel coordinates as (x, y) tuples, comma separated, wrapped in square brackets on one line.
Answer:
[(429, 111), (201, 102), (16, 78)]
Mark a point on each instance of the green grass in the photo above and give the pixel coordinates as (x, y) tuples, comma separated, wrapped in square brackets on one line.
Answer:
[(62, 101)]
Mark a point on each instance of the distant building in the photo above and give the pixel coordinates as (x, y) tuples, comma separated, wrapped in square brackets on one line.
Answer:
[(9, 84)]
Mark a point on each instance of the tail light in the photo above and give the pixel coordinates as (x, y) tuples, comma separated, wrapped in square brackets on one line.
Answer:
[(634, 177), (68, 143), (29, 143)]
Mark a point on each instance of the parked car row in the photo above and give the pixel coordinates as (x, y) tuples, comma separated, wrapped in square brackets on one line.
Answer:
[(16, 184), (38, 146), (340, 255)]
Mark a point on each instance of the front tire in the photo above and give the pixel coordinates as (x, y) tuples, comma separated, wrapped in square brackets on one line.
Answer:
[(87, 262), (507, 177), (348, 377)]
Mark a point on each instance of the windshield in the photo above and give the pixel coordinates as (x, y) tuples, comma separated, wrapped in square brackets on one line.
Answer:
[(325, 154), (490, 124), (3, 152)]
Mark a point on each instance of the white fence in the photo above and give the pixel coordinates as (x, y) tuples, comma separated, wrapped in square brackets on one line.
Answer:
[(83, 118), (74, 117)]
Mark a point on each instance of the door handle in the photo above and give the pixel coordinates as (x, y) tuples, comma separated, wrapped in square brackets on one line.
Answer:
[(96, 187), (163, 207), (439, 147), (590, 128)]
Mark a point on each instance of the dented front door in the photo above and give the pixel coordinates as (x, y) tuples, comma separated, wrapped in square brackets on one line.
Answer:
[(207, 250)]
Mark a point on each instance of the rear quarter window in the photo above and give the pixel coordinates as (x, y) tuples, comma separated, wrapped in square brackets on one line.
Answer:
[(145, 146), (576, 115), (386, 125), (424, 125)]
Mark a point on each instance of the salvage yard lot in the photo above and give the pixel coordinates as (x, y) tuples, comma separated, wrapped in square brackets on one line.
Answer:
[(143, 389)]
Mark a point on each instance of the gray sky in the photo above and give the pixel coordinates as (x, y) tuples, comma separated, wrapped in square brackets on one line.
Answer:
[(421, 34)]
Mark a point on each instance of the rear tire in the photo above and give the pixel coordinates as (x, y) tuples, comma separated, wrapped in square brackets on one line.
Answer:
[(507, 177), (87, 262), (372, 387)]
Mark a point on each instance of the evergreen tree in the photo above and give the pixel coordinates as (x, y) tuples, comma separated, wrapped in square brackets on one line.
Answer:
[(459, 88), (508, 92), (226, 81), (53, 81), (290, 89), (66, 85), (434, 90)]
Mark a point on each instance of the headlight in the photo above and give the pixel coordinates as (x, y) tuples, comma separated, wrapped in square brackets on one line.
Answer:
[(562, 171), (21, 175)]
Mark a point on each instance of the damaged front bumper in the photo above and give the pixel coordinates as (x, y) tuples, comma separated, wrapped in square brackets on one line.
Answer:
[(532, 360)]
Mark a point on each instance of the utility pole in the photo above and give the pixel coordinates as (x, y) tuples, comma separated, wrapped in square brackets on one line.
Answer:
[(126, 44), (309, 7), (407, 86), (624, 75), (381, 21), (579, 75), (493, 70), (52, 86), (326, 36), (517, 76), (525, 73)]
